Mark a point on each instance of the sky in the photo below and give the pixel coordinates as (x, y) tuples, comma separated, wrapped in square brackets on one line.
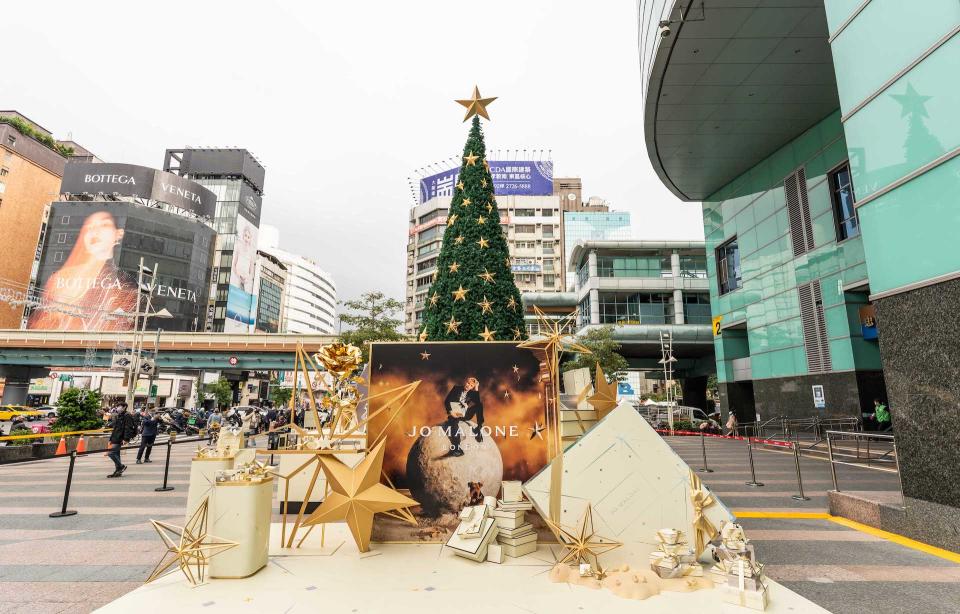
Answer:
[(343, 101)]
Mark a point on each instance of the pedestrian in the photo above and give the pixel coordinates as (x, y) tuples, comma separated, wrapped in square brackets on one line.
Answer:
[(148, 435), (882, 415), (124, 429), (731, 424)]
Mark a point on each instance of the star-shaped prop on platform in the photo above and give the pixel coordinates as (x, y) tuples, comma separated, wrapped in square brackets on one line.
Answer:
[(356, 494), (476, 105), (583, 545), (189, 547), (604, 398)]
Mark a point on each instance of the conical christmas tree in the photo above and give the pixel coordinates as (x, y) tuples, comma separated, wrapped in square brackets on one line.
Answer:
[(474, 296)]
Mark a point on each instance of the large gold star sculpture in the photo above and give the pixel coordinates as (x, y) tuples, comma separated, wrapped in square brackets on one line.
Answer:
[(582, 543), (476, 105), (188, 547), (356, 494), (604, 399)]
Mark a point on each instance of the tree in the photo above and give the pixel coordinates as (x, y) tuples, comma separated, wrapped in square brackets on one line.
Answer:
[(78, 410), (474, 296), (603, 348), (222, 392), (278, 394), (374, 322)]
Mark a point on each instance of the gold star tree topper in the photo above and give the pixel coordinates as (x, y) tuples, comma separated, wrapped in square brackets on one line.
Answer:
[(356, 495), (476, 105)]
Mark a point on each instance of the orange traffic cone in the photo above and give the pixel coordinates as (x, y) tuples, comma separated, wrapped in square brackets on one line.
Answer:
[(62, 446), (81, 445)]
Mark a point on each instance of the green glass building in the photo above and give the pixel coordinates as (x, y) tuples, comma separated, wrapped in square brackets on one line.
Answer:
[(821, 138)]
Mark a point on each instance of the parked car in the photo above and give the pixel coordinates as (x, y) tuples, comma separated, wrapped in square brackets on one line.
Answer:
[(658, 415), (7, 412), (48, 411)]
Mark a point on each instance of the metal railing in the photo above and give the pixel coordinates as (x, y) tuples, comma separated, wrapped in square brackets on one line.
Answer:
[(832, 436)]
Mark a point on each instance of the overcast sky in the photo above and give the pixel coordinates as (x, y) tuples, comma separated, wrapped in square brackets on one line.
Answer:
[(342, 101)]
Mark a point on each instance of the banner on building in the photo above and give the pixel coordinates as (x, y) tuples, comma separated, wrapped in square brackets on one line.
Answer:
[(510, 177), (241, 307)]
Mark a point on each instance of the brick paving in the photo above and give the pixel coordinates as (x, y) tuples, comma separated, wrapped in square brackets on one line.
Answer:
[(78, 563)]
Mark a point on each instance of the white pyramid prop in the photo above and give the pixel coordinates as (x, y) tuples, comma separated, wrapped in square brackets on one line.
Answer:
[(635, 481)]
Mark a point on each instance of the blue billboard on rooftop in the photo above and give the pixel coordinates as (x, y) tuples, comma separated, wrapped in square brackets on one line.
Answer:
[(510, 177)]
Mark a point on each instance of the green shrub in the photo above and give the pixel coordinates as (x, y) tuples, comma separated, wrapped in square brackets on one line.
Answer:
[(22, 430), (78, 410)]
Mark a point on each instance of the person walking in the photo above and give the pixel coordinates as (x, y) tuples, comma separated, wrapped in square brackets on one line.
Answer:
[(124, 429), (731, 424), (149, 424), (882, 415)]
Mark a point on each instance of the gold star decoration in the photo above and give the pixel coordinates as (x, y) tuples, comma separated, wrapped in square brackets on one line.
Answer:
[(483, 182), (485, 306), (189, 547), (458, 240), (356, 494), (516, 369), (434, 298), (512, 304), (506, 394), (486, 276), (604, 398), (487, 334), (435, 275), (471, 159), (486, 164), (466, 202), (476, 105), (517, 334), (489, 207), (536, 430), (483, 243), (424, 355), (506, 261), (460, 185), (453, 326), (454, 267), (460, 294), (582, 543), (423, 335), (452, 219), (481, 220)]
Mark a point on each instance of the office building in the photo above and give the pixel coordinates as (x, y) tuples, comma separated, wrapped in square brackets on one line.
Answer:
[(822, 139), (236, 178), (594, 223), (270, 282), (31, 165)]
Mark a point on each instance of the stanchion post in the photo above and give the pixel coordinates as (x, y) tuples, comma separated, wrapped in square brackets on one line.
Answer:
[(833, 468), (166, 470), (66, 491), (753, 472), (703, 450), (796, 459)]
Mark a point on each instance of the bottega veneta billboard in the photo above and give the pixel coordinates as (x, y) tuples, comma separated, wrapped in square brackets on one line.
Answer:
[(90, 258)]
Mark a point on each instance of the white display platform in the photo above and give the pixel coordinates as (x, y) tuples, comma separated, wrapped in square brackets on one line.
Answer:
[(202, 474), (241, 514), (400, 578)]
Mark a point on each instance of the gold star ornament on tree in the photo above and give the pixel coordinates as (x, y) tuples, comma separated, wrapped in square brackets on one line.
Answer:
[(356, 495), (486, 276), (476, 105), (483, 243), (454, 267), (487, 334), (485, 306), (471, 159), (453, 326), (460, 294)]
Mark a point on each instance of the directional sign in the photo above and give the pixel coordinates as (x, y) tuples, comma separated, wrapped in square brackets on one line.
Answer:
[(121, 360)]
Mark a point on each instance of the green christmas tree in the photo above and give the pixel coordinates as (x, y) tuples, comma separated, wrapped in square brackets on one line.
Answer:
[(474, 296)]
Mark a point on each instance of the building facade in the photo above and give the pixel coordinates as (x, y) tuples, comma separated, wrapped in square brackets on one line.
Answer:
[(310, 295), (821, 138), (30, 172), (596, 223), (270, 282), (236, 177)]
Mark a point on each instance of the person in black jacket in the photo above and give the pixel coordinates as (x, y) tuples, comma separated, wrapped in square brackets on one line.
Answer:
[(148, 434), (124, 429), (463, 403)]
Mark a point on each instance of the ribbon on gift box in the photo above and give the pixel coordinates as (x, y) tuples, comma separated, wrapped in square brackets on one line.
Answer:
[(703, 529)]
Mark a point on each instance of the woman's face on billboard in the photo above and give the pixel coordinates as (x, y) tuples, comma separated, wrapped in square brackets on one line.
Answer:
[(99, 235)]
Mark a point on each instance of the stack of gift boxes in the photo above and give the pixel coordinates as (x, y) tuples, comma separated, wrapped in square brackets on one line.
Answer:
[(496, 528)]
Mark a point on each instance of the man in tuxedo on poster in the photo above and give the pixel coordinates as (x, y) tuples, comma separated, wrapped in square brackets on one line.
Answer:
[(463, 403)]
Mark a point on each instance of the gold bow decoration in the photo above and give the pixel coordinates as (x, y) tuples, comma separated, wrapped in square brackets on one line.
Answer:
[(703, 529)]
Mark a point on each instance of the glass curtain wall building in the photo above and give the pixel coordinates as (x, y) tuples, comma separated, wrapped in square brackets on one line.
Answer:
[(591, 226)]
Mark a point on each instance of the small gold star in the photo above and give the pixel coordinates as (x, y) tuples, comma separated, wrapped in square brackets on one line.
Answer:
[(536, 430), (471, 159), (454, 267), (458, 240), (451, 219), (466, 202), (483, 182), (487, 334), (486, 164), (483, 243), (453, 326), (512, 304), (485, 306), (516, 369), (486, 276), (424, 355), (460, 294), (489, 208), (476, 105), (506, 394), (517, 335), (423, 335), (460, 185), (481, 220), (434, 298), (507, 261), (435, 273)]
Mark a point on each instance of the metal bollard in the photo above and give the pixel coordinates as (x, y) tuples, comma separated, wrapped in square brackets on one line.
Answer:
[(166, 469), (703, 450), (66, 491), (796, 458), (753, 473), (833, 468)]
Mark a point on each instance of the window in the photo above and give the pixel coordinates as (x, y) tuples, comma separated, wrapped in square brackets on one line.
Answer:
[(524, 212), (728, 266), (12, 140), (548, 248), (693, 267), (634, 266), (61, 237), (58, 257), (583, 274), (65, 219), (696, 308), (525, 228), (433, 215), (548, 232), (549, 280), (841, 193), (636, 308)]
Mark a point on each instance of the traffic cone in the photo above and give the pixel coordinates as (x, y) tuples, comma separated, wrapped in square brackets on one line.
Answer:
[(62, 446), (81, 445)]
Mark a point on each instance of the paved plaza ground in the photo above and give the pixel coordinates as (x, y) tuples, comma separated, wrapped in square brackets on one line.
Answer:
[(75, 564)]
